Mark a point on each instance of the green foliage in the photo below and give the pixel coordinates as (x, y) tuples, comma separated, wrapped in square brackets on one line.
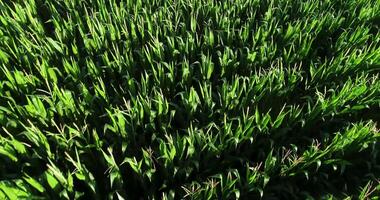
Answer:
[(189, 99)]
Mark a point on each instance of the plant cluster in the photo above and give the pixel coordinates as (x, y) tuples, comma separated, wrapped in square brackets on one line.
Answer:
[(189, 99)]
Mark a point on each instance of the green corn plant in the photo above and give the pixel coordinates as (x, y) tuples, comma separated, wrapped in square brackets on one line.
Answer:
[(189, 99)]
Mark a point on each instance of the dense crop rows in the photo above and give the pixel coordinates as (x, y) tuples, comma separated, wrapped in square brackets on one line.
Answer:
[(194, 99)]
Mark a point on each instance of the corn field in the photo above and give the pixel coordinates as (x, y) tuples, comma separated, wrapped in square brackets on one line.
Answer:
[(189, 99)]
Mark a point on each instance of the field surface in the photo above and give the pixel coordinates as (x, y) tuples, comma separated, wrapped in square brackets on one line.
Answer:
[(189, 99)]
